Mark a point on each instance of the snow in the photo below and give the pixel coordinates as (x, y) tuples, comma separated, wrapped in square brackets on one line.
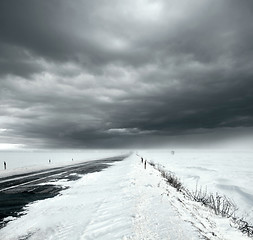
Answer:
[(24, 162), (229, 173), (124, 201)]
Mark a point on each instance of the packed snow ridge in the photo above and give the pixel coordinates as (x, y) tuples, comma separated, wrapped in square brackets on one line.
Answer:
[(126, 201)]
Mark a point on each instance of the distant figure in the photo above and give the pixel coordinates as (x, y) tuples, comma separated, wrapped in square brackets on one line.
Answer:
[(72, 159), (172, 152), (49, 161), (4, 165), (141, 160), (145, 164)]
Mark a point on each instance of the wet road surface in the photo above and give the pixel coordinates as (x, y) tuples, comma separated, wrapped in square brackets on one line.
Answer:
[(19, 190)]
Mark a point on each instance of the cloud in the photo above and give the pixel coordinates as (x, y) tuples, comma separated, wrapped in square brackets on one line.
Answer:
[(127, 131), (99, 74)]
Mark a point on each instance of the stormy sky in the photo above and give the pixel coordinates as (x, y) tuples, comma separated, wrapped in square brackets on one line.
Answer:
[(99, 74)]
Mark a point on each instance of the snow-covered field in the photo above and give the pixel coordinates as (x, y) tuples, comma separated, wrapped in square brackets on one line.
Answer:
[(19, 162), (129, 202), (223, 171)]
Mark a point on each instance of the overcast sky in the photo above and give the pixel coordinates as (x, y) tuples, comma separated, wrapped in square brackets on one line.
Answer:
[(99, 73)]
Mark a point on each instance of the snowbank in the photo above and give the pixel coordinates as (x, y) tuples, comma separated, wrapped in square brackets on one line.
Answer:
[(225, 172), (124, 201)]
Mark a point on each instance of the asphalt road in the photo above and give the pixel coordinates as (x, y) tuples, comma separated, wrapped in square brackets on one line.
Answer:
[(19, 190)]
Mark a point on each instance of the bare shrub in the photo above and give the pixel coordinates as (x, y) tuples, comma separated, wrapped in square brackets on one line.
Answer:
[(170, 178), (221, 205), (151, 163), (200, 196), (174, 181), (245, 227)]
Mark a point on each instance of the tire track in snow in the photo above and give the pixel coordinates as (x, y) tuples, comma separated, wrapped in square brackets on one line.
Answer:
[(143, 224), (155, 218)]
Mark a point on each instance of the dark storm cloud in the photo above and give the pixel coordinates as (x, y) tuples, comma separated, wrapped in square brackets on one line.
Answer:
[(98, 74), (81, 31)]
